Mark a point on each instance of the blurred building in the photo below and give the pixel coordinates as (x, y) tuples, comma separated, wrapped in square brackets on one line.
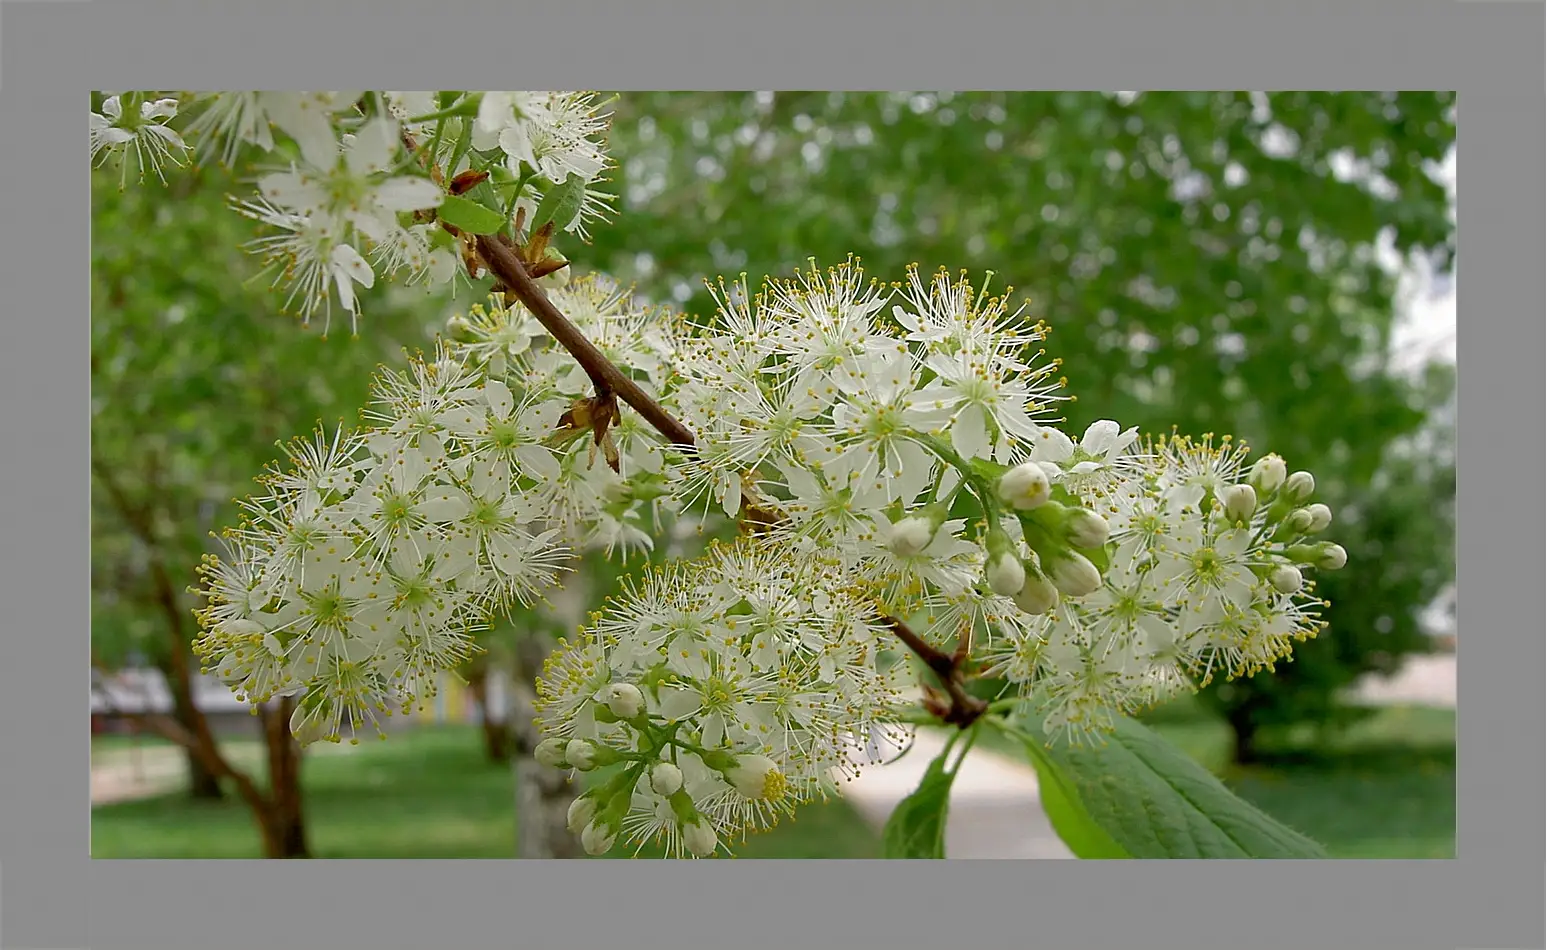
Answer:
[(137, 691)]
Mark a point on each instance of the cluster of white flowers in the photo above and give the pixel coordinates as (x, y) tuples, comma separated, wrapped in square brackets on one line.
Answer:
[(902, 440), (348, 205), (720, 693), (364, 570), (1204, 568)]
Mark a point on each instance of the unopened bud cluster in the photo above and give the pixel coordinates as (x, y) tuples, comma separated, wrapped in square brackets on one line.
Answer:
[(1207, 573)]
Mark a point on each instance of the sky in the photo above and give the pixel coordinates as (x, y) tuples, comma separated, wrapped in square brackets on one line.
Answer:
[(1426, 329)]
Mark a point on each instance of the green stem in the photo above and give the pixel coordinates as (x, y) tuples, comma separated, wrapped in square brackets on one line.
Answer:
[(466, 106)]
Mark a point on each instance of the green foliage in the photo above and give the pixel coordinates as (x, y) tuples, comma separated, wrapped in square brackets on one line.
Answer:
[(1077, 829), (916, 827), (1200, 261), (1383, 788), (195, 379), (1153, 801), (470, 216)]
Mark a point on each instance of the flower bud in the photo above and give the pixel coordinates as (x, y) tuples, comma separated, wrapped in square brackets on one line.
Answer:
[(581, 811), (1268, 474), (1037, 595), (1240, 501), (1321, 517), (550, 752), (1300, 520), (625, 700), (1025, 486), (1286, 579), (911, 536), (1086, 529), (581, 754), (1074, 575), (1300, 486), (699, 838), (665, 778), (1331, 557), (1005, 574), (756, 777), (597, 838)]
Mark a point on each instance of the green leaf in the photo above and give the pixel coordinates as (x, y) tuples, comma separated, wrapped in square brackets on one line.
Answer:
[(1097, 556), (561, 204), (1061, 802), (916, 828), (470, 216), (1153, 801)]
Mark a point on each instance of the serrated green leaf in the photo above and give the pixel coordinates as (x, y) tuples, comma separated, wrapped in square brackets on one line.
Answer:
[(561, 204), (916, 828), (1154, 801), (1061, 801), (470, 216)]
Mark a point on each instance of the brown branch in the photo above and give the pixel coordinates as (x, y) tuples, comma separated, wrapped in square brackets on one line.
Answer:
[(161, 724), (607, 378), (200, 740), (964, 708)]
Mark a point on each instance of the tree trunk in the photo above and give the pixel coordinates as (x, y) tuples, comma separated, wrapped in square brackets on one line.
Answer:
[(496, 727), (282, 822), (543, 794), (202, 783)]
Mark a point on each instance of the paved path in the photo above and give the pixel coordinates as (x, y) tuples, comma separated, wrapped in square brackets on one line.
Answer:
[(996, 811), (121, 774), (995, 808), (1422, 681)]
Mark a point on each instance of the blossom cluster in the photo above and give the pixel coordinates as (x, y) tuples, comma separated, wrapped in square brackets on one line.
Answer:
[(350, 197), (898, 437), (903, 431), (717, 694), (370, 562)]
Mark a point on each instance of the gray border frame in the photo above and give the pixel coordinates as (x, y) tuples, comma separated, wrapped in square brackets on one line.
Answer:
[(1490, 896)]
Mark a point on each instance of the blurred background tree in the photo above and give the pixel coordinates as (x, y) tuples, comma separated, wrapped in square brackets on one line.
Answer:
[(195, 378), (1207, 260)]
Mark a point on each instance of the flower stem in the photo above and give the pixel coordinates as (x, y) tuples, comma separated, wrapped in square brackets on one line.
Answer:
[(607, 378)]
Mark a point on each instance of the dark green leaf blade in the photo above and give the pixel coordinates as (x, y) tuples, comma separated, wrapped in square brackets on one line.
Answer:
[(470, 216), (1156, 802), (916, 828), (561, 204), (1061, 801)]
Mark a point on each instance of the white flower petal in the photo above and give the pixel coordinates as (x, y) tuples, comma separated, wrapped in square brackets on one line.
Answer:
[(408, 194)]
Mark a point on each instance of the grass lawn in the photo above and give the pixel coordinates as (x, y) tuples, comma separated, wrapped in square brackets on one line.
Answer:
[(1384, 789), (427, 793)]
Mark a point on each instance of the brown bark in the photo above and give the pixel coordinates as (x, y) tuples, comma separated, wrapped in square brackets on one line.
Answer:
[(282, 823), (203, 784)]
